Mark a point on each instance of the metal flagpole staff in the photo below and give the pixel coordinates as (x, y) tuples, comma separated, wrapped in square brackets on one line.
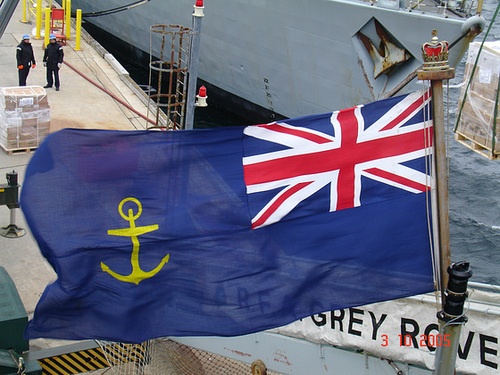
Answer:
[(193, 63), (453, 277), (436, 69)]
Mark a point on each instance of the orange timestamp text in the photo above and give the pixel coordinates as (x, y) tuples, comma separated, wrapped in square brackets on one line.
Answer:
[(425, 340)]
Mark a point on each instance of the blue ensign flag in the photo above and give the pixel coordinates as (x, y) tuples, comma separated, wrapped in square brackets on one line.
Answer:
[(231, 230)]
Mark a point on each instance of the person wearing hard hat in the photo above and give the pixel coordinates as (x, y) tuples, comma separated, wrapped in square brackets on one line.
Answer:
[(25, 59), (52, 60)]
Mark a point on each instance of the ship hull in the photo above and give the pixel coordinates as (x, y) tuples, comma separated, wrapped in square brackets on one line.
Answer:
[(290, 58)]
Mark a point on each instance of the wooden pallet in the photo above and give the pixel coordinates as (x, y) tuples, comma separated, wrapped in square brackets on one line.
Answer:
[(18, 151), (476, 147)]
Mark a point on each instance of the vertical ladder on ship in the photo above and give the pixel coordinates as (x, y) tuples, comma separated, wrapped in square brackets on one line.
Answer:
[(169, 72)]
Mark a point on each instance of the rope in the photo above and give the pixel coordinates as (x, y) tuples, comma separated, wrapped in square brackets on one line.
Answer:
[(428, 126), (495, 112), (110, 94), (448, 128), (474, 70), (114, 10)]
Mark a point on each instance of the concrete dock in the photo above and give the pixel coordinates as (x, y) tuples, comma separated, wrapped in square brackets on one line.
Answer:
[(78, 104)]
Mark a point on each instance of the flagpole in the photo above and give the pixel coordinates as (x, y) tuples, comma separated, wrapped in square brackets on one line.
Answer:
[(453, 277), (435, 70), (193, 63)]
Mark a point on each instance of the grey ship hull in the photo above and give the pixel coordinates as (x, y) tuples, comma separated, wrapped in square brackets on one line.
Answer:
[(291, 57)]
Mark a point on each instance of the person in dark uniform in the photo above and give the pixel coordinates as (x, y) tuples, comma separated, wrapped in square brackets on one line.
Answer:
[(52, 60), (25, 59)]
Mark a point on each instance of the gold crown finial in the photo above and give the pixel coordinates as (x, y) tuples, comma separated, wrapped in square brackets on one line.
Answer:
[(435, 54)]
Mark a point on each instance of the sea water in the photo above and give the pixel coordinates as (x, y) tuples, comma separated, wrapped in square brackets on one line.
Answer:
[(474, 190), (474, 180)]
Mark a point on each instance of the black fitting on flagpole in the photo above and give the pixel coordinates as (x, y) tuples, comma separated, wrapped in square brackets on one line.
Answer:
[(9, 196), (9, 193), (11, 178), (456, 292)]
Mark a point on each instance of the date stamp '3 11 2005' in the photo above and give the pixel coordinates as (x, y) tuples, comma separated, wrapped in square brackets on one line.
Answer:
[(425, 340)]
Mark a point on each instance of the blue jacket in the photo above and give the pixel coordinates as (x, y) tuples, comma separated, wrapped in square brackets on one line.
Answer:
[(53, 55), (24, 54)]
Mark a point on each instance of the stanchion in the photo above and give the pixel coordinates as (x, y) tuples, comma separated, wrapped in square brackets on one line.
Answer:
[(78, 29), (38, 20), (67, 13), (47, 28), (25, 12)]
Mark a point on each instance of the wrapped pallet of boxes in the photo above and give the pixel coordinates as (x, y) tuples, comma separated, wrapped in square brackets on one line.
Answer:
[(24, 117), (478, 124)]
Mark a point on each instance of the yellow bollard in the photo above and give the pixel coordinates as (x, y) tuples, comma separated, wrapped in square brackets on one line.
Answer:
[(67, 12), (25, 10), (64, 4), (38, 20), (47, 27), (78, 29)]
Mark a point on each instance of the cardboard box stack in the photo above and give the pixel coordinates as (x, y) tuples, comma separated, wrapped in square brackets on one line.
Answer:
[(24, 117), (476, 125)]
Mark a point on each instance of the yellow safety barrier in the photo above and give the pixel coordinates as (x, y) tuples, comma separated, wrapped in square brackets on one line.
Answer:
[(74, 363), (32, 7), (25, 12), (93, 358), (38, 20), (67, 12), (78, 29), (47, 27)]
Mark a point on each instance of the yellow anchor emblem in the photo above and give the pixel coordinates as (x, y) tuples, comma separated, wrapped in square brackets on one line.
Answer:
[(137, 274)]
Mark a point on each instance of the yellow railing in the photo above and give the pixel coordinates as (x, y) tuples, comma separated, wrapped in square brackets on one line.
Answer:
[(479, 8), (32, 7)]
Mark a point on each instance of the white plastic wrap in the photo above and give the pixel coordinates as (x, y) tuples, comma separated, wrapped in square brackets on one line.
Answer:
[(476, 122), (24, 117)]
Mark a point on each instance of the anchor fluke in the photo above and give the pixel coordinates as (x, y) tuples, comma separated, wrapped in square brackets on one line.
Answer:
[(137, 274), (388, 55)]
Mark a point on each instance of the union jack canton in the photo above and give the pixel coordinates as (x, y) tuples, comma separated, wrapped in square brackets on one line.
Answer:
[(338, 160)]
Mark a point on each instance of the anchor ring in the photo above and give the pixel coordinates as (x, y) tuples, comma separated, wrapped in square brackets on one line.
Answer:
[(120, 209)]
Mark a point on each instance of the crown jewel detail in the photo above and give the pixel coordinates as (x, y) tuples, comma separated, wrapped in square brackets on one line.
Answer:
[(435, 53)]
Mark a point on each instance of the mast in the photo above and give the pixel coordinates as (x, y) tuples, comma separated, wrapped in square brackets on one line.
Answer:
[(453, 277), (436, 70), (193, 63)]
